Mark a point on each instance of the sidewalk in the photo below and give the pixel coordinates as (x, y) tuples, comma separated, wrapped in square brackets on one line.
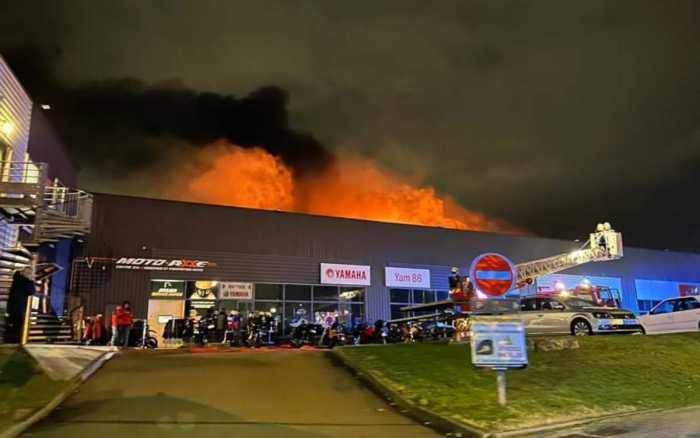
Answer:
[(64, 362), (678, 423)]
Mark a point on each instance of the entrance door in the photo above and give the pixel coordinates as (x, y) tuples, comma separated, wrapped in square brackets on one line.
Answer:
[(162, 311)]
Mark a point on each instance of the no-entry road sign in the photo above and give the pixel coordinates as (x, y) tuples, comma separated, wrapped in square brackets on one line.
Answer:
[(493, 274)]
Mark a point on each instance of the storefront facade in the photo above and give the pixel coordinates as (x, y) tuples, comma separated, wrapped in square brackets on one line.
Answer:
[(266, 260)]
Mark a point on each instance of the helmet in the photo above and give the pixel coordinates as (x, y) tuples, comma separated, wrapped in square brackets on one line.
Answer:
[(454, 270)]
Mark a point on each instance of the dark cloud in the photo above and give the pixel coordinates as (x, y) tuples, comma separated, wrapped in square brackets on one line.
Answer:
[(550, 114)]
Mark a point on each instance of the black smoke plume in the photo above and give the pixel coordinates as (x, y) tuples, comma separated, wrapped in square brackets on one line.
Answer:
[(124, 125)]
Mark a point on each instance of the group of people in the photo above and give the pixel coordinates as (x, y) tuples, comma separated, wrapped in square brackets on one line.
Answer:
[(121, 321)]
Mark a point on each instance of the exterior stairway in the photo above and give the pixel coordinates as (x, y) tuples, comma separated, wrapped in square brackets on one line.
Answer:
[(47, 212), (49, 329)]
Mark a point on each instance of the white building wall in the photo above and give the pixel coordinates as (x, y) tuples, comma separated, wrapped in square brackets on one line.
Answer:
[(15, 108)]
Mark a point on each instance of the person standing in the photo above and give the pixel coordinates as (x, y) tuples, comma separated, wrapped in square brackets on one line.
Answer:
[(113, 325), (125, 319), (22, 288)]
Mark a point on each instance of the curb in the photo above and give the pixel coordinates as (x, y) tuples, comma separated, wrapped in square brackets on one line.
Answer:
[(19, 428), (421, 415)]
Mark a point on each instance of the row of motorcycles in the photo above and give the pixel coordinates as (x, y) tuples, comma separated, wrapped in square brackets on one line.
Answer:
[(305, 333), (262, 328), (216, 327)]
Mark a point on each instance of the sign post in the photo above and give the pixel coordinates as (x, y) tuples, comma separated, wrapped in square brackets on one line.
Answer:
[(501, 383), (499, 345)]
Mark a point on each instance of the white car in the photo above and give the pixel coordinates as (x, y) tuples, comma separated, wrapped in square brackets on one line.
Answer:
[(673, 315)]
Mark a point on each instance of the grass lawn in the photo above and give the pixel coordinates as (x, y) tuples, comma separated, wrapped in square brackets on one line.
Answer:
[(607, 374), (24, 387)]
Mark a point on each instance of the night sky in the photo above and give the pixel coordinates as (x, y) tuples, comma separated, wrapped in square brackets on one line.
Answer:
[(551, 115)]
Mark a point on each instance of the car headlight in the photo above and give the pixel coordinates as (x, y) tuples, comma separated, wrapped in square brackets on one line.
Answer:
[(602, 315)]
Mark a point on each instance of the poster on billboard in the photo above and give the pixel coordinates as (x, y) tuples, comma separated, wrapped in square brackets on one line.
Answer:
[(408, 278), (354, 275), (499, 344), (235, 290), (202, 290)]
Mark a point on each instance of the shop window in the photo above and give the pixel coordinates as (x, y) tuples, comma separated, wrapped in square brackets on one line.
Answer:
[(325, 307), (396, 312), (297, 292), (352, 294), (357, 314), (243, 307), (400, 295), (268, 291), (423, 296), (293, 311), (405, 297), (325, 293), (268, 306)]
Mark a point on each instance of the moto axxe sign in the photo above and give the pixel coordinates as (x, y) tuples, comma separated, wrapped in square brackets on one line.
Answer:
[(356, 275), (145, 264)]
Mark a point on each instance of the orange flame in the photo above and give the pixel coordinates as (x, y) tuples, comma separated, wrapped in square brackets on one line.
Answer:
[(353, 188)]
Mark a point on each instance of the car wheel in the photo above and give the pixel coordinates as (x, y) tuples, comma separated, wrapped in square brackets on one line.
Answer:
[(581, 327)]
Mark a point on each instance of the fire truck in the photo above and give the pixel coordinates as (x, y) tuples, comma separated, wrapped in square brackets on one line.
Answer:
[(600, 295), (604, 244)]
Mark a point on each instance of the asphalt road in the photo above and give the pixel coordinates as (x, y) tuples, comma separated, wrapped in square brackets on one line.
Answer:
[(681, 423), (288, 394)]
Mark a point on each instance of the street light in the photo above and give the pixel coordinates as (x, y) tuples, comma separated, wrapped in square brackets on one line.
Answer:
[(6, 127)]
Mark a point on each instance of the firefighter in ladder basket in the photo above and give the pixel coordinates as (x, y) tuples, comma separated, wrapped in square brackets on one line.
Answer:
[(461, 293)]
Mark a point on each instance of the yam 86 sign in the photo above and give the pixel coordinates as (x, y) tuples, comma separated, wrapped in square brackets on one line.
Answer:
[(493, 274)]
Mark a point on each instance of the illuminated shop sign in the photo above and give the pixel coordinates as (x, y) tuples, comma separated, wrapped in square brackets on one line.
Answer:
[(230, 290), (147, 264), (407, 277), (174, 289), (356, 275)]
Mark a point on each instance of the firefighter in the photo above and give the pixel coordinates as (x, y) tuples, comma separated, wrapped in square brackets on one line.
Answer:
[(456, 283), (455, 280)]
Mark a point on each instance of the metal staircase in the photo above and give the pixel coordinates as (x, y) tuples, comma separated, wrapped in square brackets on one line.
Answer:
[(46, 328), (46, 212)]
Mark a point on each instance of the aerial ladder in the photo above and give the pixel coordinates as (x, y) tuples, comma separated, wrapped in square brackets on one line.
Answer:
[(604, 244)]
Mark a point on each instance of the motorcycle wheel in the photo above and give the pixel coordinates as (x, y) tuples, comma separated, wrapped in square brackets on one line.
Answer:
[(151, 343)]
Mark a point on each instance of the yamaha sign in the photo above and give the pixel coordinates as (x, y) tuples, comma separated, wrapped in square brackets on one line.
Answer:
[(354, 275)]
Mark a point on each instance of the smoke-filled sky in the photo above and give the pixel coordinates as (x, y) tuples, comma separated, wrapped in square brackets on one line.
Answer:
[(549, 115)]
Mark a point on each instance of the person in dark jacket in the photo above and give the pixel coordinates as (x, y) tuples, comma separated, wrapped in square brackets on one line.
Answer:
[(22, 288)]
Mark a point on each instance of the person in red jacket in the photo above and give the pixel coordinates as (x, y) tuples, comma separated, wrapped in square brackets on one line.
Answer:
[(125, 319), (98, 330), (113, 325)]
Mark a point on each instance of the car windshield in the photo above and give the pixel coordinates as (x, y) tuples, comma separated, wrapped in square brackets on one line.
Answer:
[(578, 302)]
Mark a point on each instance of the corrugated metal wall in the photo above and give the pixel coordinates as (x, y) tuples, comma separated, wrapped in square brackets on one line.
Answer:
[(270, 246), (15, 108)]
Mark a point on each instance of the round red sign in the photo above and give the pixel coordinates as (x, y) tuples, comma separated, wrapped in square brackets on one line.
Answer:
[(493, 274)]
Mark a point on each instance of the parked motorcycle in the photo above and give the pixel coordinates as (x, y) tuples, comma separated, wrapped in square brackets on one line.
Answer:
[(305, 333), (142, 336)]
